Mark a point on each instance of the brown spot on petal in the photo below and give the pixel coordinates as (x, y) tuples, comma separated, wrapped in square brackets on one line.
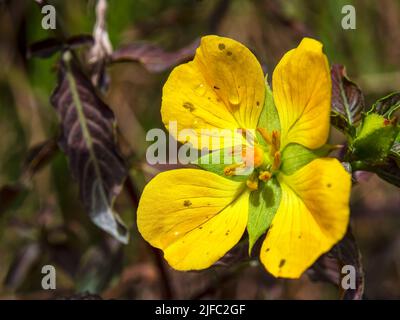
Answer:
[(221, 46), (187, 203), (282, 263), (188, 106)]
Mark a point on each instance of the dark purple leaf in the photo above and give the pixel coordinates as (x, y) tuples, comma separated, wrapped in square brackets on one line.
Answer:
[(389, 170), (347, 100), (329, 266), (87, 138), (79, 41), (154, 58), (39, 156), (387, 105), (45, 48), (9, 195)]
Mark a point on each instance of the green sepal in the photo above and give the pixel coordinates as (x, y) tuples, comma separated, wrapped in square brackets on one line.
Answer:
[(206, 162), (263, 206), (295, 156), (374, 139), (269, 118)]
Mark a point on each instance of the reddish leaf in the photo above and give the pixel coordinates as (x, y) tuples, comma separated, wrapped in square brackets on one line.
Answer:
[(87, 138), (329, 266), (154, 58), (347, 100)]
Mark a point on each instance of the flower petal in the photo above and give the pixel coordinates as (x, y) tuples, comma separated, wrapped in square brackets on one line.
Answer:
[(194, 216), (302, 93), (313, 215), (223, 88)]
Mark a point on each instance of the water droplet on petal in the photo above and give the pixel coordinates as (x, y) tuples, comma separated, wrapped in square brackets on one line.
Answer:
[(234, 100), (198, 123), (200, 89)]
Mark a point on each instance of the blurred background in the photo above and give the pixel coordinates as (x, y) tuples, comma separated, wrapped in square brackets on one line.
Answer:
[(42, 220)]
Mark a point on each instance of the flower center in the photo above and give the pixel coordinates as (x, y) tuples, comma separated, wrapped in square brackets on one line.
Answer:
[(264, 159)]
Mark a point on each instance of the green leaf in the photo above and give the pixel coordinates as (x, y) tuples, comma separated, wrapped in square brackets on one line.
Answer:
[(264, 203), (269, 118), (88, 140), (222, 156), (295, 156), (386, 106), (347, 101), (374, 139)]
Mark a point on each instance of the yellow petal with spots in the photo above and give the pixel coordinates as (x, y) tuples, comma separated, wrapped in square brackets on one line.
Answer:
[(222, 88), (302, 93), (194, 216), (313, 216)]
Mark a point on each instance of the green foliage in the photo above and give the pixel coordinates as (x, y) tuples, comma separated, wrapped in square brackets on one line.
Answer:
[(374, 139), (373, 135)]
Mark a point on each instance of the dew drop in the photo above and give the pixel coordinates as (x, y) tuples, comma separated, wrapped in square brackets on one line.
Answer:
[(234, 100), (200, 89), (198, 123)]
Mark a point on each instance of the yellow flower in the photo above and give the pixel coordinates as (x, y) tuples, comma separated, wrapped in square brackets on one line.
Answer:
[(195, 216)]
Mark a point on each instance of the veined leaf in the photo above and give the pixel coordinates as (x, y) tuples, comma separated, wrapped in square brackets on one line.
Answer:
[(347, 101), (263, 205), (88, 140), (386, 106)]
